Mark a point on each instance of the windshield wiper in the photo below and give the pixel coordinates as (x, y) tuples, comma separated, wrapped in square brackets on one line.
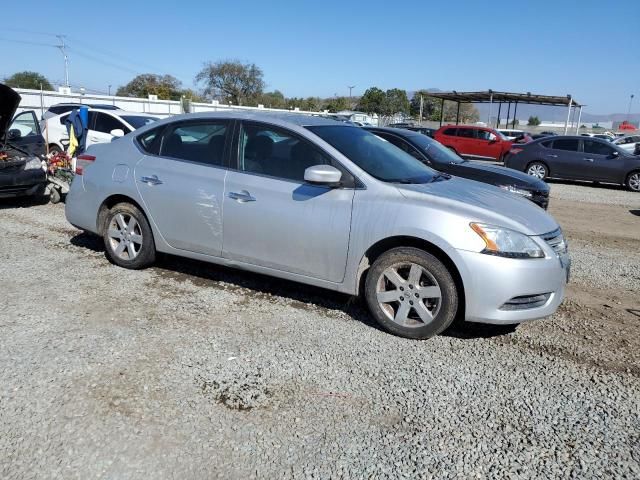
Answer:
[(15, 147), (439, 177)]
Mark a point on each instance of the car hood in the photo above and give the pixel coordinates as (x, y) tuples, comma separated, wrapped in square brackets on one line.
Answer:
[(497, 175), (9, 101), (482, 203)]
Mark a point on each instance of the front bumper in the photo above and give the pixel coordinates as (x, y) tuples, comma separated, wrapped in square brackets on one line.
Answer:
[(16, 182), (492, 282)]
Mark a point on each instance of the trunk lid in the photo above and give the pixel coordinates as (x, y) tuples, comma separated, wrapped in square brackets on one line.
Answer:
[(9, 101)]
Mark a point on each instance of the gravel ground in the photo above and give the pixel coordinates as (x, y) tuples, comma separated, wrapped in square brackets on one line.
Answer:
[(192, 371)]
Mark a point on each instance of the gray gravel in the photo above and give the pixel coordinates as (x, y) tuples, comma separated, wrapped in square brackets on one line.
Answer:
[(191, 371), (599, 194)]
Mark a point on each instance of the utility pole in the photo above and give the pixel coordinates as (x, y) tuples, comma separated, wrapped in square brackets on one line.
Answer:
[(109, 90), (350, 87), (629, 109), (63, 49)]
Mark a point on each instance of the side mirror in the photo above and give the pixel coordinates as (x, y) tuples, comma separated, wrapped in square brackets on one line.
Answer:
[(14, 134), (117, 132), (323, 175), (492, 138)]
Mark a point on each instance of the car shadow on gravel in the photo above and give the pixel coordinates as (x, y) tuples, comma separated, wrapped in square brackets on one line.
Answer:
[(586, 183), (635, 212), (22, 202), (305, 297)]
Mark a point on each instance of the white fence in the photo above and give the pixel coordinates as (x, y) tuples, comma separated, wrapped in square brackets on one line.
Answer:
[(41, 100)]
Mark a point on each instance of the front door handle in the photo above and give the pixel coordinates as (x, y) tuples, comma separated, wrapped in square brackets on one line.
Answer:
[(552, 155), (152, 180), (588, 159), (242, 196)]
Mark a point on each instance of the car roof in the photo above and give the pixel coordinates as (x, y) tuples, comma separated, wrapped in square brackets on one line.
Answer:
[(402, 131), (282, 119)]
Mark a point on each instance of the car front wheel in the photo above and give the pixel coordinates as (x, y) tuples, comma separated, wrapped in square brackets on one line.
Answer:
[(411, 293), (127, 236)]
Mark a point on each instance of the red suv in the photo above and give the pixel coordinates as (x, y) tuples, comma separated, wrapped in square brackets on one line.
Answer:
[(474, 141)]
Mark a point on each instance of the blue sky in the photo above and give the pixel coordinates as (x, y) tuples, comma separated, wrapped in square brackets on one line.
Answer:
[(590, 49)]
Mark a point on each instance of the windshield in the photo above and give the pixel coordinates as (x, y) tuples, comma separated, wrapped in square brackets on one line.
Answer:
[(374, 155), (137, 121), (436, 152)]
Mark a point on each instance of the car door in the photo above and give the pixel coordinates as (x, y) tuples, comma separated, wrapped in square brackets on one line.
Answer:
[(488, 145), (603, 162), (181, 182), (30, 138), (272, 218), (467, 144), (564, 158), (100, 126)]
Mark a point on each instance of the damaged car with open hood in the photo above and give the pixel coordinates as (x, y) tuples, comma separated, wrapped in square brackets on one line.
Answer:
[(22, 149)]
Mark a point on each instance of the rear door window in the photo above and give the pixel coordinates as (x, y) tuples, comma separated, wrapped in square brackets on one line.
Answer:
[(450, 131), (201, 142), (466, 132), (569, 144), (105, 123)]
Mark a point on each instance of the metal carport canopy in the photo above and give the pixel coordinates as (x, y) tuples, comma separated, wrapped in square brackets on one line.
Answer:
[(491, 97)]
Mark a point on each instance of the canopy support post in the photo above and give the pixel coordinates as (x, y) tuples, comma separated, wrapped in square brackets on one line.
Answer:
[(579, 117), (515, 110), (441, 112), (499, 109), (566, 122), (458, 114)]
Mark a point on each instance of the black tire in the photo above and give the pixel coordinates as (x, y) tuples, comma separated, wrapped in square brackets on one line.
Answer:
[(540, 165), (55, 196), (53, 149), (444, 308), (140, 254), (632, 181)]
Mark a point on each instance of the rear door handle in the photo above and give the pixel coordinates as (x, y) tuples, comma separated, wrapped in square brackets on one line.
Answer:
[(552, 155), (588, 159), (242, 196), (152, 180)]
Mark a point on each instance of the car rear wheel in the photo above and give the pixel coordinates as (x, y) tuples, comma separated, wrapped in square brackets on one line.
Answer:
[(538, 170), (633, 181), (411, 293), (127, 237)]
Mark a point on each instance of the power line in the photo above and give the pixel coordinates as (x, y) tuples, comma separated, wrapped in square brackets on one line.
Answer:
[(26, 42)]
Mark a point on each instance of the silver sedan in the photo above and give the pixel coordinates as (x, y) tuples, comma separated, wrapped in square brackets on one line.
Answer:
[(327, 204)]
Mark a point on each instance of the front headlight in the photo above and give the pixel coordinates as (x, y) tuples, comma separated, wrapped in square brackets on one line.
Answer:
[(516, 190), (506, 243), (32, 164)]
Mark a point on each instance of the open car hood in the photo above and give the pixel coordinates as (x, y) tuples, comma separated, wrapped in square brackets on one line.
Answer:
[(9, 101)]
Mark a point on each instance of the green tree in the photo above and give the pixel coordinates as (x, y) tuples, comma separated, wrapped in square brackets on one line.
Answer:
[(395, 101), (273, 99), (27, 79), (533, 121), (372, 101), (192, 95), (430, 106), (166, 87), (232, 81), (337, 104)]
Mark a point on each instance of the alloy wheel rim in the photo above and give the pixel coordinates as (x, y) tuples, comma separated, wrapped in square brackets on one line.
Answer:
[(125, 236), (408, 295), (634, 182), (537, 171)]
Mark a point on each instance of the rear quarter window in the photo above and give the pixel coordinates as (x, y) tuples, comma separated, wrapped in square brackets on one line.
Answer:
[(150, 141)]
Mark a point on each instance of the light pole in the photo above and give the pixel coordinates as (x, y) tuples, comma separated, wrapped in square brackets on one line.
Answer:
[(109, 90), (63, 49), (629, 109), (350, 87)]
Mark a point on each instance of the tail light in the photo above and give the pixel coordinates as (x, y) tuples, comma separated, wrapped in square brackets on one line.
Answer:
[(515, 151), (82, 161)]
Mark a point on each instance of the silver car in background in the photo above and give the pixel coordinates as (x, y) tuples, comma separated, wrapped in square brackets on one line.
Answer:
[(327, 204)]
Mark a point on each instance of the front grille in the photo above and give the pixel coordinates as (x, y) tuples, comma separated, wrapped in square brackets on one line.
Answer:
[(556, 241), (525, 302)]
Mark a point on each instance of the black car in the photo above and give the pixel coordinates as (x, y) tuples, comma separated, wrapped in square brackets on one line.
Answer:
[(22, 149), (423, 130), (577, 158), (440, 158)]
